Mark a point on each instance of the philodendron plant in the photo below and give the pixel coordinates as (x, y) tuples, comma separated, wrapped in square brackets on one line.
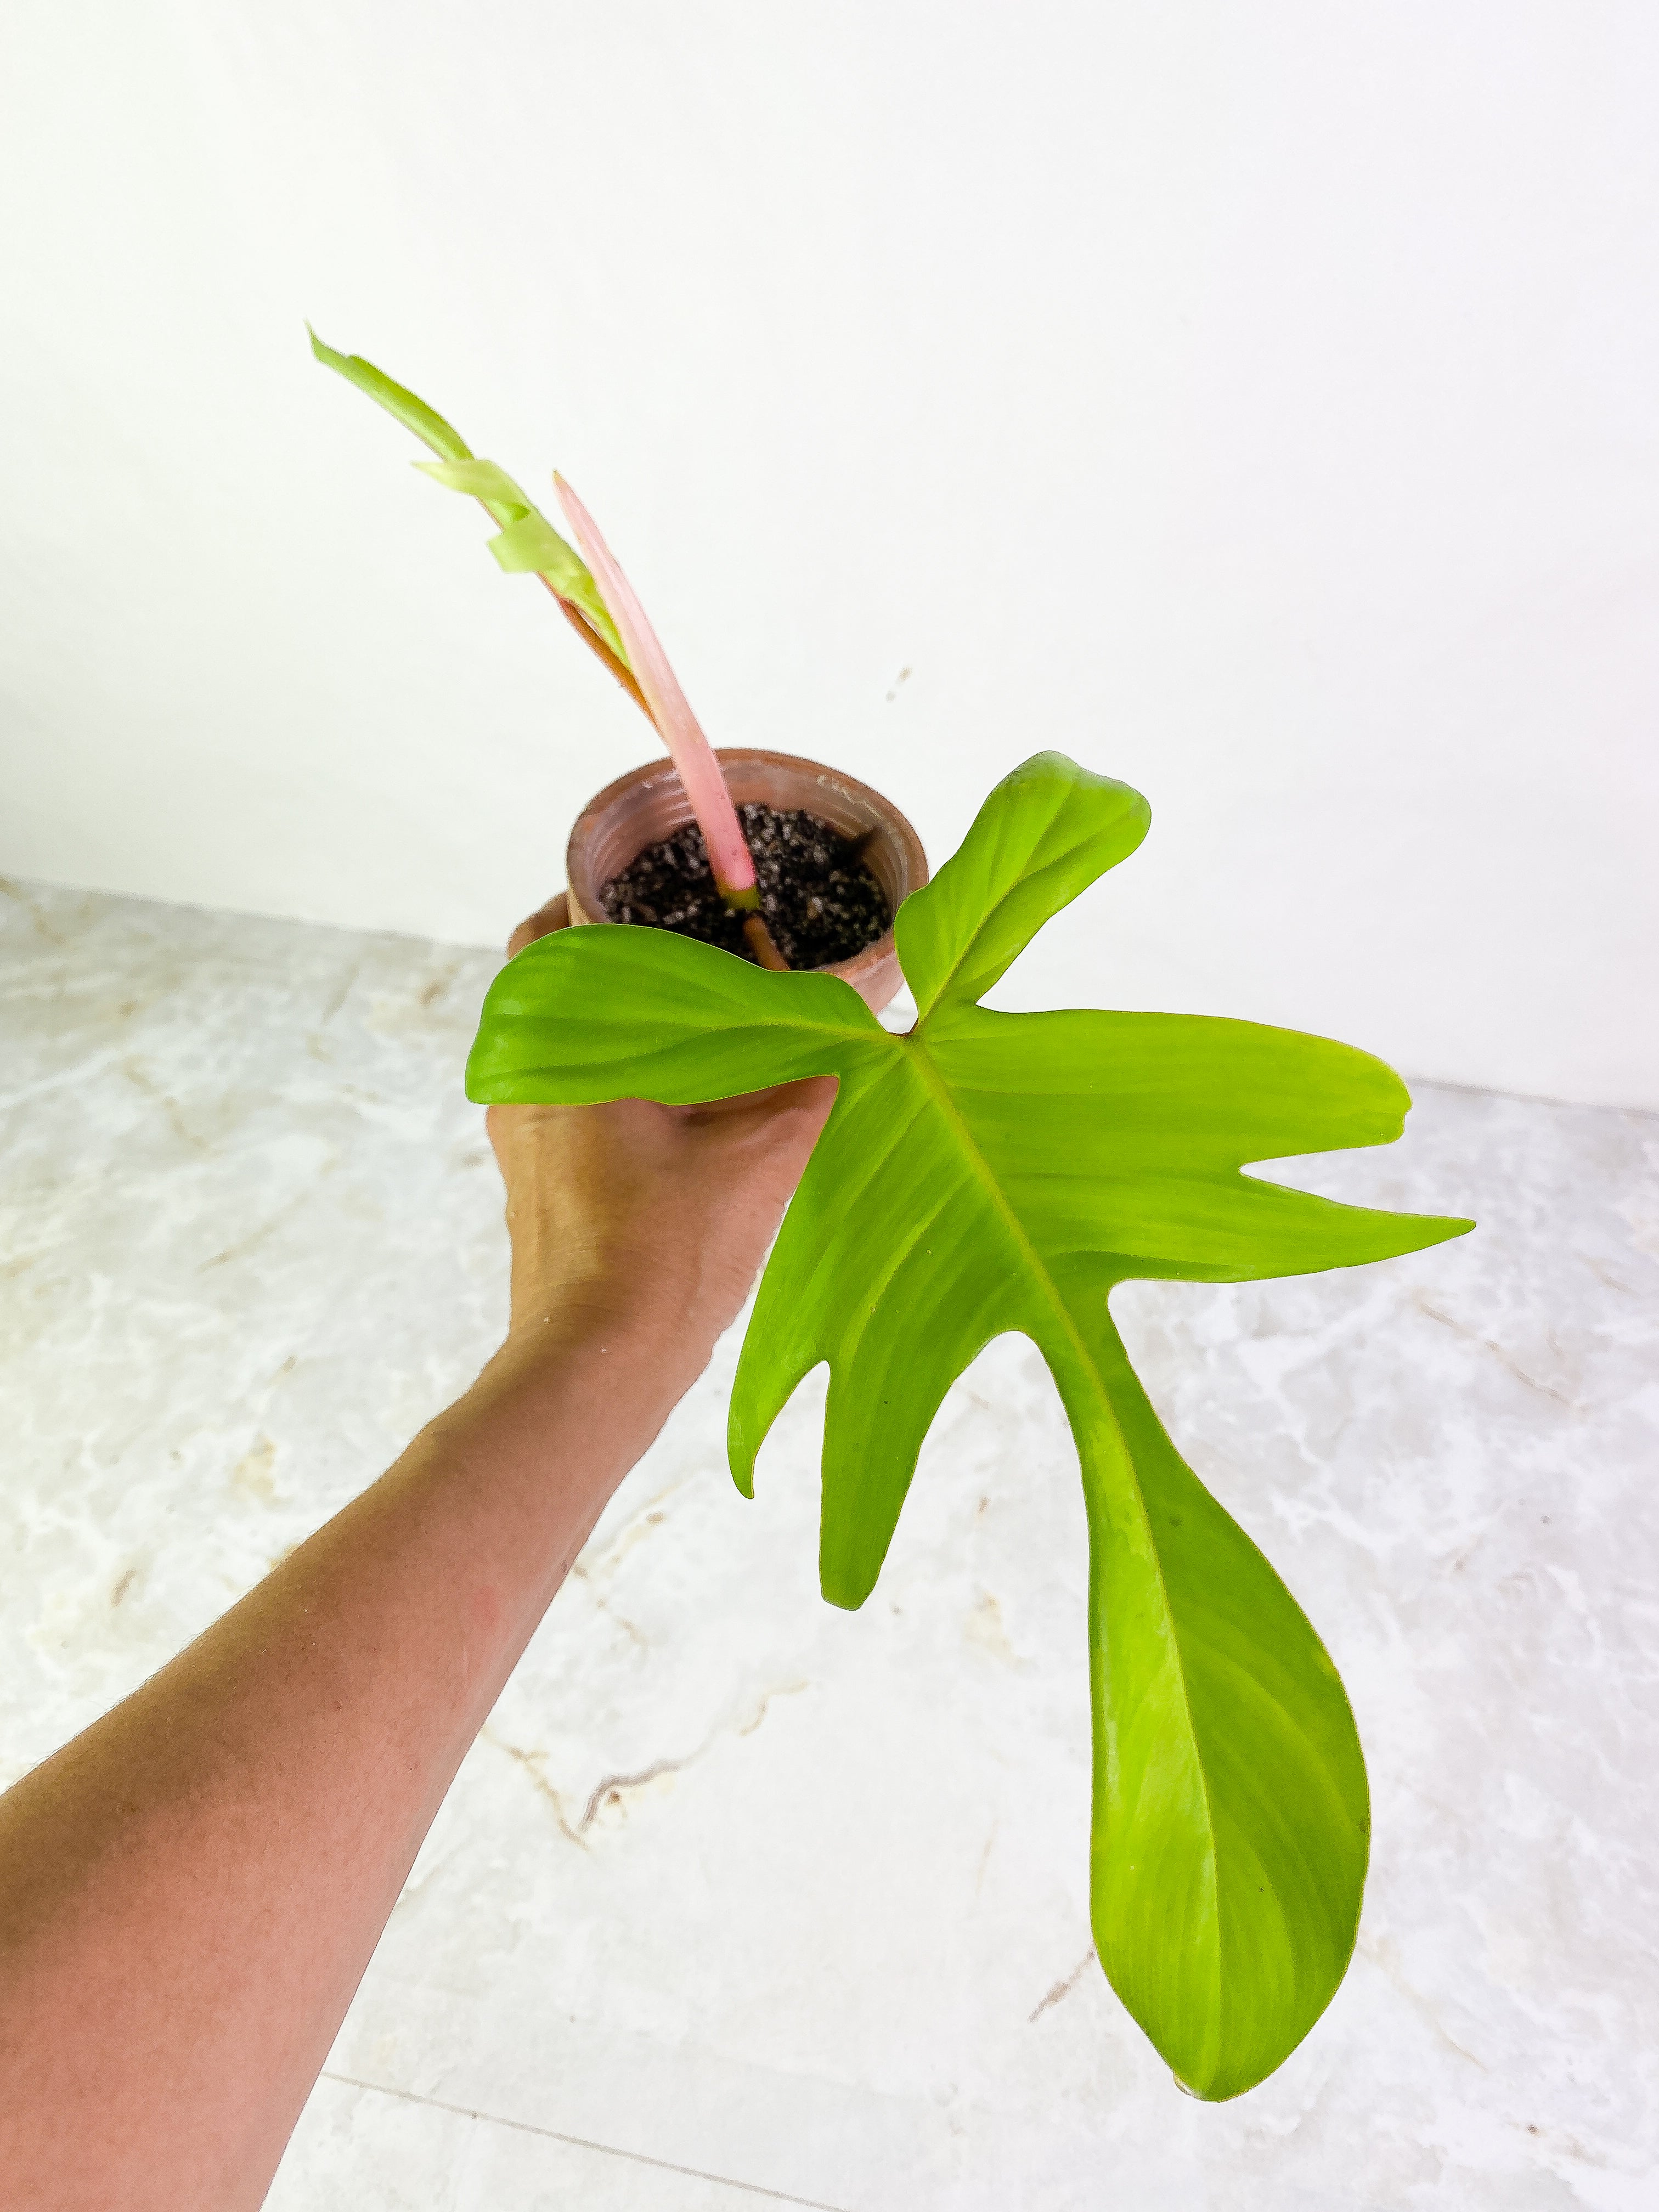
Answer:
[(989, 1172)]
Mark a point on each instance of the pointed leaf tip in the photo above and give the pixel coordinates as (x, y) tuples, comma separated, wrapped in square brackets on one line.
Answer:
[(427, 425), (1046, 832)]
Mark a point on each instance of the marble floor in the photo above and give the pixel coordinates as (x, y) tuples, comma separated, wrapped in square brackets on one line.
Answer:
[(741, 1900)]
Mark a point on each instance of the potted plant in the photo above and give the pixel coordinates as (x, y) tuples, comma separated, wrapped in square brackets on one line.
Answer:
[(987, 1172)]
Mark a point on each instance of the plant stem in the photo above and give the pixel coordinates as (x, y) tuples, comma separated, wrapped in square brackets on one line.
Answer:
[(755, 933), (761, 943), (677, 727)]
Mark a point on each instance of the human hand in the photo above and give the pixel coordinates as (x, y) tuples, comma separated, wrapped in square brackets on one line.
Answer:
[(633, 1214)]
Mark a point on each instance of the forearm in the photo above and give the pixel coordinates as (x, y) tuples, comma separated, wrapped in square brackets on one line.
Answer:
[(191, 1889)]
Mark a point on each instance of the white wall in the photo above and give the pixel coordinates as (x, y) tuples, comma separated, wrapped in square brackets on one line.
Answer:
[(1258, 400)]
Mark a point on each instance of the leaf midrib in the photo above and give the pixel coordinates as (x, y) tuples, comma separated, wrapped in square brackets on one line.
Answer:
[(914, 1042)]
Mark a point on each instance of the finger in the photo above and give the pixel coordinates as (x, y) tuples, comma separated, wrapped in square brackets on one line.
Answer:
[(810, 1096), (556, 914)]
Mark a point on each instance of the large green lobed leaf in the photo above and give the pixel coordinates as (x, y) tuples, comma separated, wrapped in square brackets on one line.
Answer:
[(997, 1171)]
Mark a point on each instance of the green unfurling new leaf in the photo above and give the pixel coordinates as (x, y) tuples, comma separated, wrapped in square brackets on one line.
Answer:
[(527, 542), (530, 543), (413, 414), (995, 1171)]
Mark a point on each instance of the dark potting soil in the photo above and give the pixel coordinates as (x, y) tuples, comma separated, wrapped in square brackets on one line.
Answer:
[(821, 903)]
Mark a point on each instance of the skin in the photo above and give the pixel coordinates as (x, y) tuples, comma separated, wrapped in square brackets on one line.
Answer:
[(191, 1890)]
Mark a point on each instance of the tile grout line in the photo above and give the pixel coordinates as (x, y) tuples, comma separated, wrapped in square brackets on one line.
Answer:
[(579, 2142)]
